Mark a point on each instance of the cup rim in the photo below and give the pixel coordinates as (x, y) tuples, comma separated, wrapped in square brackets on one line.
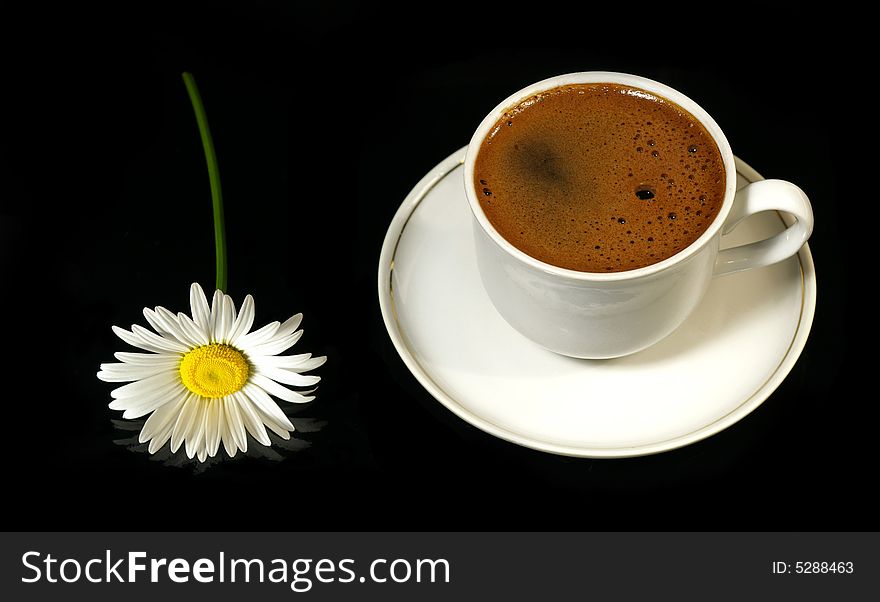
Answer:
[(598, 77)]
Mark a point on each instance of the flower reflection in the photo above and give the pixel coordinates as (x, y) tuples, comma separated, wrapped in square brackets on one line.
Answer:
[(279, 449)]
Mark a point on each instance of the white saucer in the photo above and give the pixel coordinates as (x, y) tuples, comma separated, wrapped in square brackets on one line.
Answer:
[(721, 364)]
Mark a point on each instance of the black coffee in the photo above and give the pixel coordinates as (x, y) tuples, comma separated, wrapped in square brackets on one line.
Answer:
[(599, 177)]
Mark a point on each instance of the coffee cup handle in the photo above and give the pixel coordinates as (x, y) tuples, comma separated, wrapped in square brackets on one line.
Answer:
[(766, 195)]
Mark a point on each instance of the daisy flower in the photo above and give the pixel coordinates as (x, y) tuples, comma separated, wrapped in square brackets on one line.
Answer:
[(208, 379)]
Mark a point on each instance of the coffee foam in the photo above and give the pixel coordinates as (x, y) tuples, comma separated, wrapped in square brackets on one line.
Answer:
[(599, 178)]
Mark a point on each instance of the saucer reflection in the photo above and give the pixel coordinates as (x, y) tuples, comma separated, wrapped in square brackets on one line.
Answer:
[(279, 450)]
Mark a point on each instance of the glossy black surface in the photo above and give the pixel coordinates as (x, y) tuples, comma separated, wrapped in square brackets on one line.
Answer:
[(323, 119)]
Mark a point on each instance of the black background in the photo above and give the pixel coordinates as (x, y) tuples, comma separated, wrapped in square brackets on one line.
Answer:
[(324, 117)]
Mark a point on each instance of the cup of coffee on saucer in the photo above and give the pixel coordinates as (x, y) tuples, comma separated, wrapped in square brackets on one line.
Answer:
[(491, 259), (600, 202)]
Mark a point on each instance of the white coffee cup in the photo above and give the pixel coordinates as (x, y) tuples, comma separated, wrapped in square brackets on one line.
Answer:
[(605, 315)]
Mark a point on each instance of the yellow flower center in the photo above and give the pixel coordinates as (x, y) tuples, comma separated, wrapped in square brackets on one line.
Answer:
[(214, 370)]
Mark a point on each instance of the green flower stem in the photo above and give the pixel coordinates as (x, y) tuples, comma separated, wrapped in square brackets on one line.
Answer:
[(213, 175)]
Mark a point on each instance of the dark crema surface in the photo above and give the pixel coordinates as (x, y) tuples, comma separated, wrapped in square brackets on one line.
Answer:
[(599, 177)]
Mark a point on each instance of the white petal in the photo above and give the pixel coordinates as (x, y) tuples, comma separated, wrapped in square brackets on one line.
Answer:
[(157, 341), (282, 361), (162, 419), (135, 407), (276, 345), (199, 305), (234, 314), (160, 439), (144, 409), (295, 363), (155, 322), (258, 336), (287, 377), (310, 364), (146, 385), (235, 425), (251, 419), (273, 388), (272, 425), (193, 330), (216, 314), (148, 359), (212, 427), (136, 341), (195, 439), (243, 322), (128, 372), (202, 454), (225, 435), (262, 400), (227, 319), (176, 328), (290, 325), (169, 416), (184, 421)]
